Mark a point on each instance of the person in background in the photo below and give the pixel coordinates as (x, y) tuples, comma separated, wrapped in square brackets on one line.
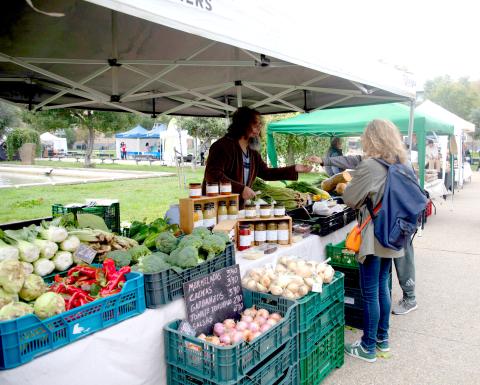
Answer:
[(236, 158), (381, 139), (432, 155), (334, 150), (405, 266), (147, 147), (123, 148)]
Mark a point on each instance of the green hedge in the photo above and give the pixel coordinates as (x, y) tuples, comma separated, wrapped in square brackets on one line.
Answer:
[(18, 137)]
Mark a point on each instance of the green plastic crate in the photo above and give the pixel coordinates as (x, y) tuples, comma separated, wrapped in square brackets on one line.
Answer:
[(310, 306), (327, 355), (110, 214), (340, 255), (228, 364), (323, 324)]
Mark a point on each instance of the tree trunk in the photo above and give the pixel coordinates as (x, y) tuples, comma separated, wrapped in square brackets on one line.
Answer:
[(290, 151), (89, 150)]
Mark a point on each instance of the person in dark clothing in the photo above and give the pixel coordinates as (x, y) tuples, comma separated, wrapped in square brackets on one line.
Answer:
[(235, 158), (334, 150)]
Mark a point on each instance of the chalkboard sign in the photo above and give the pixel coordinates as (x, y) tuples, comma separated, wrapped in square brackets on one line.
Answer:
[(214, 298)]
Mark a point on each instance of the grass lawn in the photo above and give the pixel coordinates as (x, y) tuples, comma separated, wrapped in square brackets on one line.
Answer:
[(139, 199)]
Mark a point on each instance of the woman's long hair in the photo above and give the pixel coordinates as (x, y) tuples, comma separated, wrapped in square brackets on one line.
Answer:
[(381, 139), (242, 120)]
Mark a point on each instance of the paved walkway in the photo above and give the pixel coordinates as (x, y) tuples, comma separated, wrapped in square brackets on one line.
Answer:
[(440, 342)]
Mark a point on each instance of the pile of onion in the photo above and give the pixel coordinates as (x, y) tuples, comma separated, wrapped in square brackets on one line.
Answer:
[(252, 324)]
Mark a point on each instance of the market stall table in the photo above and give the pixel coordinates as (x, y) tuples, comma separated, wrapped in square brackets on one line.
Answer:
[(132, 352)]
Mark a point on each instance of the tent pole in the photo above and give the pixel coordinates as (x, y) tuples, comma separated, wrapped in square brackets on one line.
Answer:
[(410, 125), (238, 86)]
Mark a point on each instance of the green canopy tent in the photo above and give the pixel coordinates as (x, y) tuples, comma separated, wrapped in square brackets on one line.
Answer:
[(351, 121)]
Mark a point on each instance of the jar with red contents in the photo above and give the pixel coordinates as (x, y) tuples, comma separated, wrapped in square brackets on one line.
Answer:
[(244, 239)]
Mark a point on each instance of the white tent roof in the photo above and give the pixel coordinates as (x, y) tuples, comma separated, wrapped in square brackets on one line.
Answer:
[(434, 109), (184, 57), (46, 137)]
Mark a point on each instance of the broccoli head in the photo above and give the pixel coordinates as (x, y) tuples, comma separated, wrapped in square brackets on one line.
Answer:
[(190, 240), (212, 246), (139, 251), (166, 242), (120, 257), (201, 232), (222, 235), (184, 257), (152, 263)]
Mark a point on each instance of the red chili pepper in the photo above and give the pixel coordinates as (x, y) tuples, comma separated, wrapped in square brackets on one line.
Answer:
[(71, 302), (57, 278), (109, 268), (83, 270), (113, 284)]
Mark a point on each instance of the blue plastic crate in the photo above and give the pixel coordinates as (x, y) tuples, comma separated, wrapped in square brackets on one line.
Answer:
[(28, 337), (267, 373), (310, 306), (228, 364)]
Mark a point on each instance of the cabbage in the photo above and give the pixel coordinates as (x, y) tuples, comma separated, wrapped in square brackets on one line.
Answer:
[(43, 267), (6, 298), (32, 288), (7, 251), (70, 244), (47, 248), (62, 260), (15, 310), (48, 305), (12, 276), (53, 233)]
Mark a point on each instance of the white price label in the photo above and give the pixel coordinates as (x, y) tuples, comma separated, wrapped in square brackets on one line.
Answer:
[(349, 300), (85, 253), (317, 287)]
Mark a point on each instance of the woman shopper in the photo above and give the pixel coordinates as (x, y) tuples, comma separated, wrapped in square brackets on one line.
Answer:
[(381, 139), (334, 150)]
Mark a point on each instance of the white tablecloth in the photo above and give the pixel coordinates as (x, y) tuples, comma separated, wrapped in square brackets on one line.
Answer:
[(132, 352)]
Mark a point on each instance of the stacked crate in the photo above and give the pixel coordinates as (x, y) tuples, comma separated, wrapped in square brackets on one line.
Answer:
[(301, 349), (321, 322)]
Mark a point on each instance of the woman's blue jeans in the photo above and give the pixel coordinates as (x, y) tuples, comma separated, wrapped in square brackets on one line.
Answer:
[(374, 278)]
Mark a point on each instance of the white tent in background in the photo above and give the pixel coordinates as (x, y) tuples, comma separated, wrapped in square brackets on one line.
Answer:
[(58, 144), (461, 126), (173, 139)]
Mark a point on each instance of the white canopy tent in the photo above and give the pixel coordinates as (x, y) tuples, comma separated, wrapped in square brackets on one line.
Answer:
[(58, 144), (174, 142), (184, 57), (461, 126)]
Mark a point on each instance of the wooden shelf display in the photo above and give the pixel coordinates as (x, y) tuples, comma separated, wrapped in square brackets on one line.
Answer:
[(266, 220), (187, 206)]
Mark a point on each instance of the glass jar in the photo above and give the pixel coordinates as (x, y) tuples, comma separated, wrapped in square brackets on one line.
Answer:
[(283, 233), (250, 211), (265, 211), (279, 210), (209, 218), (222, 211), (225, 188), (212, 189), (197, 215), (260, 233), (195, 190), (243, 237), (272, 233), (232, 210), (252, 234)]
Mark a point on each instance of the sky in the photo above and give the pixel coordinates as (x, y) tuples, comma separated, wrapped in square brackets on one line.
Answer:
[(429, 38)]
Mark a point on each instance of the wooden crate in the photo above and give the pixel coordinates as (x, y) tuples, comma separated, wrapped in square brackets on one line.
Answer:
[(187, 205), (286, 218)]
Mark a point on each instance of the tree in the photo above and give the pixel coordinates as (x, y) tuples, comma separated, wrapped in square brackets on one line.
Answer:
[(460, 97), (91, 121), (9, 117), (475, 119)]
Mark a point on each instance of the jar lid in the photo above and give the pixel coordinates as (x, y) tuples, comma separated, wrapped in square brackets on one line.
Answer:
[(222, 203), (195, 184), (265, 206), (233, 202)]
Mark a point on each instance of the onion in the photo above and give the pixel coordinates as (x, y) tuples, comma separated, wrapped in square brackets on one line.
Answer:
[(213, 340), (247, 318), (255, 335), (250, 312), (263, 313), (225, 339), (254, 327), (241, 326), (271, 322), (246, 334), (260, 320), (218, 329), (275, 316), (265, 327), (229, 323), (237, 337)]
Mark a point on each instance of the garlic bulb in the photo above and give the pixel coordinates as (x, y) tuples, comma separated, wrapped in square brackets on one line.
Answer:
[(276, 290)]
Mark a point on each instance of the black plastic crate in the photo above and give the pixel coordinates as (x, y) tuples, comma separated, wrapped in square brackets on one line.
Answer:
[(166, 286), (323, 225), (351, 276), (110, 214), (21, 224)]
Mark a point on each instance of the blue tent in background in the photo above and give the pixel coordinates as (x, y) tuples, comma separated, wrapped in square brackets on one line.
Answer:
[(137, 132), (156, 130)]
